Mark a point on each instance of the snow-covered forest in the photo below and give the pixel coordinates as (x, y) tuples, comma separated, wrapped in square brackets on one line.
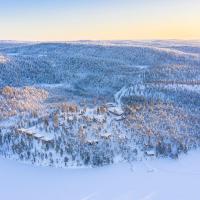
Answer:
[(98, 103)]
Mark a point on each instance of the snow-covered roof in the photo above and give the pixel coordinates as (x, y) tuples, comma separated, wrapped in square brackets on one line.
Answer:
[(116, 110), (150, 152), (33, 131)]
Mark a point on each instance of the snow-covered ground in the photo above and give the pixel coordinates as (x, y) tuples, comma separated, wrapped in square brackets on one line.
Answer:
[(3, 59), (150, 180), (184, 87)]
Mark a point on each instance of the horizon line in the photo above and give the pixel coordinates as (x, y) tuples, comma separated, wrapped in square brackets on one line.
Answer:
[(96, 40)]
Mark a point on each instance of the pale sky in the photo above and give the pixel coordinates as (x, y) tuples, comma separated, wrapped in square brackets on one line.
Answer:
[(60, 20)]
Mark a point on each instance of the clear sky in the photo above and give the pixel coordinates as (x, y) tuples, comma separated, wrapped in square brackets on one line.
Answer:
[(99, 19)]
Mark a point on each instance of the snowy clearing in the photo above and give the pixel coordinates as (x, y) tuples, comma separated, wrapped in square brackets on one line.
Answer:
[(3, 59), (150, 180)]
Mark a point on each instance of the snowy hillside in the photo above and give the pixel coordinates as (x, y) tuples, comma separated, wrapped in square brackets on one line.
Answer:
[(98, 103)]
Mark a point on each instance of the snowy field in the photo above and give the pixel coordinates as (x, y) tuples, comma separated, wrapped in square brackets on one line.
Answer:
[(150, 180)]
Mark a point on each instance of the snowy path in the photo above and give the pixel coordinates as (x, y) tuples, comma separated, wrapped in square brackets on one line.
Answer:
[(150, 180)]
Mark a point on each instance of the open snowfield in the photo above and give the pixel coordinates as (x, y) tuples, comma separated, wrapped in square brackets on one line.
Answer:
[(150, 180)]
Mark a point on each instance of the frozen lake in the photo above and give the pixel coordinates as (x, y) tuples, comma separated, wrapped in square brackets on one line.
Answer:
[(149, 180)]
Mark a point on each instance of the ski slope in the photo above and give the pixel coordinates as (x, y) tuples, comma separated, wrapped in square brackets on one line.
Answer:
[(149, 180)]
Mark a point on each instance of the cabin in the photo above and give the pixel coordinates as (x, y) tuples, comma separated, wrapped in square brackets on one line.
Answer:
[(92, 142), (117, 111), (35, 134), (106, 136), (120, 118), (150, 153)]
